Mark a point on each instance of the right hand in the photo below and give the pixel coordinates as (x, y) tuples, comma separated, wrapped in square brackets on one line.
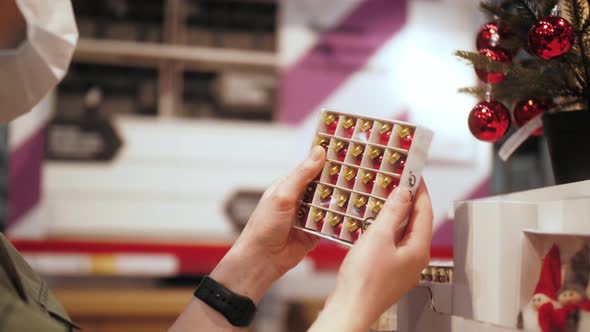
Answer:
[(377, 272)]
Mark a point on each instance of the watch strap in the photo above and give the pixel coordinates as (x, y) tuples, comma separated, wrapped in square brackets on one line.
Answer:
[(239, 310)]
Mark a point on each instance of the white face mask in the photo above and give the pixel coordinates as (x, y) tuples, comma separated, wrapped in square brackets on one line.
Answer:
[(30, 71)]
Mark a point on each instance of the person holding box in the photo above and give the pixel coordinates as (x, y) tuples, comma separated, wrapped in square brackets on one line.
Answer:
[(37, 40)]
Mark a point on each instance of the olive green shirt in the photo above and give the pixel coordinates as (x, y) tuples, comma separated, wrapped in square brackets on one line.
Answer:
[(25, 301)]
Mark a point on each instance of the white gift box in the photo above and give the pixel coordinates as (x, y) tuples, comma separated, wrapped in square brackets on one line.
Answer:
[(499, 244)]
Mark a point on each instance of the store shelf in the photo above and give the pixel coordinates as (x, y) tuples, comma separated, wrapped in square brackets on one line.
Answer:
[(152, 303), (133, 53)]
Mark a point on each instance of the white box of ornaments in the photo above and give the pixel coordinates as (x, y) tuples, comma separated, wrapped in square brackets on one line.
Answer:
[(521, 262), (366, 159)]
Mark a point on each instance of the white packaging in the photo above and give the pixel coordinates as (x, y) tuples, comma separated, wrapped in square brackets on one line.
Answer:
[(499, 244)]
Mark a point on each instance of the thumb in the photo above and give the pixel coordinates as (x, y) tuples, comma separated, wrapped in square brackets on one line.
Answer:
[(394, 212), (293, 185)]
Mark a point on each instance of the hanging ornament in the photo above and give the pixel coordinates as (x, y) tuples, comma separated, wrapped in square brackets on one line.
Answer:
[(490, 35), (526, 109), (489, 121), (497, 54), (550, 37)]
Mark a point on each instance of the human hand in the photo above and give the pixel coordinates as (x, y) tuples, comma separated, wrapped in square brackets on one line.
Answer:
[(269, 246), (377, 272)]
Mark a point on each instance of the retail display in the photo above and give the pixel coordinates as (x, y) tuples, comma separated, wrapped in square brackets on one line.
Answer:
[(521, 262), (366, 159)]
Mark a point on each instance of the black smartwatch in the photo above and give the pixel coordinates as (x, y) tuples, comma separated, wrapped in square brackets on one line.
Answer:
[(237, 309)]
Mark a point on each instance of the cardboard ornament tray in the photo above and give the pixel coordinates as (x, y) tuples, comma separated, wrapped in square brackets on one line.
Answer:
[(366, 159)]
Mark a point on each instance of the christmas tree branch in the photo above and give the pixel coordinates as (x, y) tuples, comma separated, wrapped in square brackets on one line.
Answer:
[(481, 61), (529, 7), (516, 16)]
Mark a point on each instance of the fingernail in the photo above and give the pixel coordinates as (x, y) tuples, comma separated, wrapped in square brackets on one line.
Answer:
[(402, 195), (316, 153)]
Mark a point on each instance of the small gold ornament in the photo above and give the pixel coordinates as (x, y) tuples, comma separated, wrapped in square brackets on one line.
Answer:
[(385, 127), (426, 274), (360, 201), (441, 275), (365, 125), (342, 199), (334, 219), (392, 156), (352, 224), (403, 132), (375, 205), (329, 118), (383, 180), (322, 141), (366, 176), (347, 122), (357, 149), (337, 145), (333, 169), (349, 173), (324, 191), (317, 215), (374, 152)]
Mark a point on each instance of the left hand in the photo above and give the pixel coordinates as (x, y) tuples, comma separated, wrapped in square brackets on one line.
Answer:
[(269, 246)]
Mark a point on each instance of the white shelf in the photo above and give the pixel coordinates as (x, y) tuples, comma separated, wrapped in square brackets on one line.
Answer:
[(153, 54)]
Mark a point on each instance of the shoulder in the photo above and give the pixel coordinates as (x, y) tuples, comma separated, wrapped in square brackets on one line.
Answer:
[(30, 298)]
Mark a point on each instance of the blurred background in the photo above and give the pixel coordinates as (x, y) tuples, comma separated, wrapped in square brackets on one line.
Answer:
[(131, 180)]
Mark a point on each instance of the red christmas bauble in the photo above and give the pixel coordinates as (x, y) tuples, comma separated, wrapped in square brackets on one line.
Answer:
[(342, 153), (331, 128), (526, 109), (490, 35), (384, 138), (550, 37), (348, 132), (406, 141), (489, 121), (333, 179), (370, 186), (392, 185), (496, 54), (399, 166), (378, 161)]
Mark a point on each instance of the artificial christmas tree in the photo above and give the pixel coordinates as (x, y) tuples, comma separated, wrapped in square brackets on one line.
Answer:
[(536, 55)]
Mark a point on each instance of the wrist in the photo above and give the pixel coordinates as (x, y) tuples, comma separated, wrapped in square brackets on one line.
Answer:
[(244, 274), (342, 312)]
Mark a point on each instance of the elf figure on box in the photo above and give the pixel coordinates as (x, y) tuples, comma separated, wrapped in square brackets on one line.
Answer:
[(545, 294), (572, 298)]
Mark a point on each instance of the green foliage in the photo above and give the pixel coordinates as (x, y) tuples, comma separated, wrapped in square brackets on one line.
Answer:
[(565, 78)]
